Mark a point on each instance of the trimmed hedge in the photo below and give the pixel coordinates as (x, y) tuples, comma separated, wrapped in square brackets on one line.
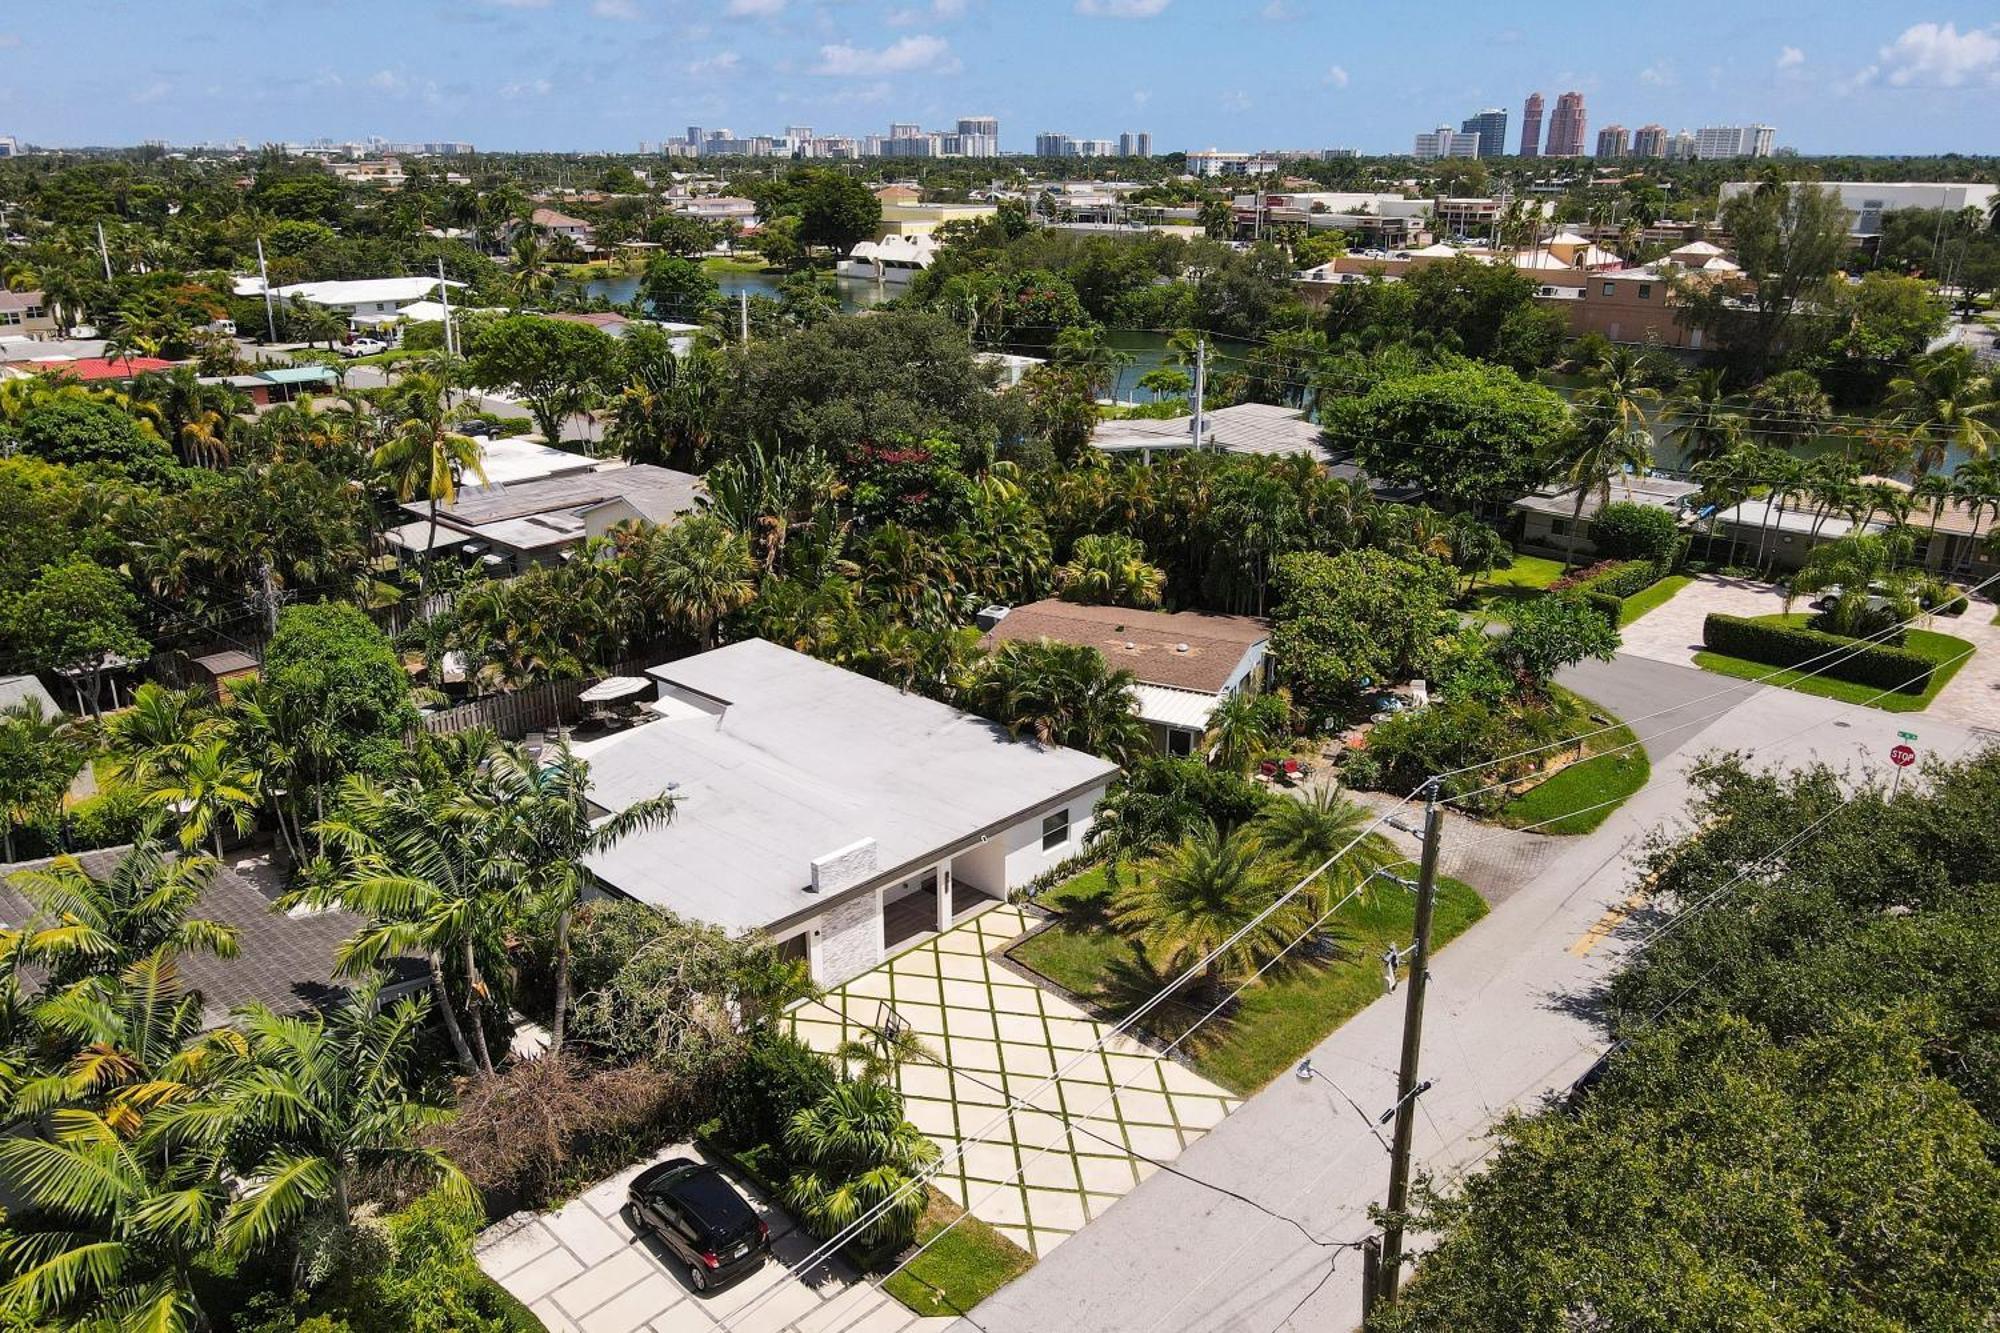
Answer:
[(1825, 654)]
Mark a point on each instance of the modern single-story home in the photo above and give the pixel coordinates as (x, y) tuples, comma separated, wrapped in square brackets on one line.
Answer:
[(1552, 526), (1186, 662), (279, 384), (365, 302), (513, 525), (285, 960), (1246, 428), (838, 815)]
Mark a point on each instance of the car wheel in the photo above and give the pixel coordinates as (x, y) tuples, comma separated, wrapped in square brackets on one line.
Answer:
[(699, 1276)]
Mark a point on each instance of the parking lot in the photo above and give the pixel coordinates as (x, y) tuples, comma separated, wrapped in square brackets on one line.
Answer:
[(582, 1269)]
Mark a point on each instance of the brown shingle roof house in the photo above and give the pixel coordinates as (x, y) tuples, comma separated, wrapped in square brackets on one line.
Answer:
[(1186, 661)]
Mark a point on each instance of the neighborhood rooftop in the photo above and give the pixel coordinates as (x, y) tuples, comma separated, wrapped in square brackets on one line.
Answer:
[(1183, 650), (1246, 428), (778, 759)]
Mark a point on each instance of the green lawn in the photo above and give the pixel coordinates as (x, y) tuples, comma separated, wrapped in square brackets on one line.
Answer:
[(726, 264), (1277, 1019), (1651, 599), (971, 1263), (1604, 783), (1528, 575), (1951, 652)]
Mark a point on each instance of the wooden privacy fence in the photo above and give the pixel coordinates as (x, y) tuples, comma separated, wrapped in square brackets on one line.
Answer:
[(515, 714)]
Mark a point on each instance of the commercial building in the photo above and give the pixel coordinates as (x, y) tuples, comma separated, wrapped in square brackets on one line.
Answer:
[(1491, 127), (838, 816), (1867, 201), (1444, 142), (1567, 124), (1186, 662), (1649, 141), (1720, 141), (1214, 162), (1612, 142), (1531, 126)]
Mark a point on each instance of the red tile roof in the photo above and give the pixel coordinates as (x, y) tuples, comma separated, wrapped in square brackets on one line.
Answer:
[(98, 368)]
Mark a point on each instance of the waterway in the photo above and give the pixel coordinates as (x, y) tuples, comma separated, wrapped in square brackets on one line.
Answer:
[(854, 294)]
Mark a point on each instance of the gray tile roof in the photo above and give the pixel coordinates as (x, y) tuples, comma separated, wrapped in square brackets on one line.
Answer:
[(284, 961), (648, 488)]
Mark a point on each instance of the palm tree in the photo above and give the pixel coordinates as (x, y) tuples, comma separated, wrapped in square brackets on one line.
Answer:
[(533, 274), (323, 1097), (423, 454), (1200, 903), (208, 784), (121, 1042), (1063, 694), (1084, 348), (546, 805), (1591, 453), (1243, 726), (1309, 832), (114, 1231), (1946, 402), (1877, 587), (1704, 426), (699, 571), (431, 873), (1110, 569), (85, 926), (854, 1153), (40, 754), (669, 407)]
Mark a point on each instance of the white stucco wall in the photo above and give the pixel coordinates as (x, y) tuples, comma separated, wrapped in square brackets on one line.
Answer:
[(1022, 842)]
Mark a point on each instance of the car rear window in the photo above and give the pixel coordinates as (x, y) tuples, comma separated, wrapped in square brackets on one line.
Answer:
[(715, 1207)]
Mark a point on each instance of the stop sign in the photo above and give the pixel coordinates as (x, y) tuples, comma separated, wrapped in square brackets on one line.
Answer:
[(1902, 756)]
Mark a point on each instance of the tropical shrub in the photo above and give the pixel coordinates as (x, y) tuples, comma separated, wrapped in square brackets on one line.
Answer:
[(778, 1077), (853, 1152), (1623, 530)]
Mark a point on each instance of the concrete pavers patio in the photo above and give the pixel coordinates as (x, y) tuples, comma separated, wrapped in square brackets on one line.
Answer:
[(1040, 1173), (582, 1269)]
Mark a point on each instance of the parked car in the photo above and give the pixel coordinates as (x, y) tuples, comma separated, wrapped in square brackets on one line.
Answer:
[(696, 1213), (364, 347)]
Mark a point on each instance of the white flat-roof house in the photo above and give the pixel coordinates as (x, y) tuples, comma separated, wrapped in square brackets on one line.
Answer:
[(836, 814), (365, 301)]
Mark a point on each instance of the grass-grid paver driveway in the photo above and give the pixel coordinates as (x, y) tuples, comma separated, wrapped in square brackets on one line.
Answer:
[(1041, 1171)]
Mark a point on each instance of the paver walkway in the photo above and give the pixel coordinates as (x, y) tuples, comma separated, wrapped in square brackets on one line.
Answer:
[(1672, 632), (582, 1269), (1038, 1173)]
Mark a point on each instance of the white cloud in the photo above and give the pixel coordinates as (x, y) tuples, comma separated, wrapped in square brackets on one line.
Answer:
[(1335, 77), (1121, 9), (521, 4), (1279, 11), (1938, 55), (614, 9), (722, 62), (387, 81), (9, 40), (1235, 101), (155, 91), (754, 9), (917, 52), (1790, 57), (1141, 97), (944, 10), (527, 88), (1659, 74)]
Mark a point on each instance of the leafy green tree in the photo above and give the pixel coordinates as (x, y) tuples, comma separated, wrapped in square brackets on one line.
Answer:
[(1552, 632), (681, 235), (1190, 906), (1466, 434), (1789, 240), (836, 210), (558, 367), (1889, 318), (329, 663), (1357, 619), (678, 290), (77, 617), (65, 429), (40, 755), (1110, 570), (670, 403)]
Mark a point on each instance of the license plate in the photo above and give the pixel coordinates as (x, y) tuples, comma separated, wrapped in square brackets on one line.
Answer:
[(740, 1250)]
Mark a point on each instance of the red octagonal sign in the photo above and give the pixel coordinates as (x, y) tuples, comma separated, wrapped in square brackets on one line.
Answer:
[(1902, 756)]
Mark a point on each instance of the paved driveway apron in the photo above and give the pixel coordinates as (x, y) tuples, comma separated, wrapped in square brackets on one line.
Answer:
[(1039, 1173)]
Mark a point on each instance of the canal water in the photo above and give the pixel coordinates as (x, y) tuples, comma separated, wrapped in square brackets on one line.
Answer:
[(855, 294)]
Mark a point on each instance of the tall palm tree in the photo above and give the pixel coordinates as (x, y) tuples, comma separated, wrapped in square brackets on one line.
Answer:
[(321, 1098), (1588, 457), (1946, 402), (1200, 897), (699, 571), (1704, 425), (545, 803), (423, 454), (86, 926), (121, 1042), (1310, 831), (533, 272), (1242, 727), (207, 785)]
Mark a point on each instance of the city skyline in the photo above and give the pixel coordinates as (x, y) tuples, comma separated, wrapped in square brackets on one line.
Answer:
[(608, 74)]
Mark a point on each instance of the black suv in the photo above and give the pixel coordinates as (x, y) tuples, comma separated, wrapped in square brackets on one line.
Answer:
[(698, 1215)]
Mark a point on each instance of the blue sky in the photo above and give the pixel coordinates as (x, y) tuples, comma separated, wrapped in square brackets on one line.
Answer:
[(1833, 76)]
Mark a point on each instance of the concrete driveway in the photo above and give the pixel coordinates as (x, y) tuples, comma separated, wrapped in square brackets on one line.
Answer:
[(1672, 633), (582, 1269)]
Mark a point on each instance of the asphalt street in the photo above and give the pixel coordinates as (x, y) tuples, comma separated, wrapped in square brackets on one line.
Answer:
[(1509, 1021)]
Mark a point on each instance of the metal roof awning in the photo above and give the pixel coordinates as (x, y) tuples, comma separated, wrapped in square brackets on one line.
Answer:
[(1168, 707)]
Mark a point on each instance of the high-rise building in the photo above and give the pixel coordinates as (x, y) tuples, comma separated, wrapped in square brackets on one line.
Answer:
[(1531, 126), (695, 136), (1649, 141), (1714, 141), (1444, 141), (1567, 124), (1144, 143), (8, 147), (799, 134), (1680, 148), (1051, 144), (986, 125), (1491, 127), (1611, 142), (1126, 144)]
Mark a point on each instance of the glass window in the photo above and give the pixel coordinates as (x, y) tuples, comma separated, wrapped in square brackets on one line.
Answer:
[(10, 317), (1055, 830), (1610, 288), (1180, 744), (1645, 290)]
